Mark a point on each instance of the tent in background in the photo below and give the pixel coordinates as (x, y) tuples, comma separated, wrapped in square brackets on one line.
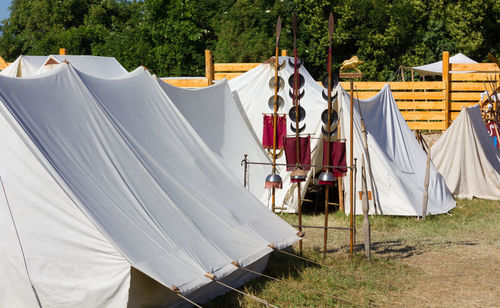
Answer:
[(27, 66), (436, 68), (253, 91), (222, 123), (24, 66), (398, 162), (467, 157), (102, 175)]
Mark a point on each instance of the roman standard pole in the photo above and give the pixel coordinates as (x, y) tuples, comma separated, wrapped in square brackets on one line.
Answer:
[(275, 114), (327, 186), (296, 93), (351, 201)]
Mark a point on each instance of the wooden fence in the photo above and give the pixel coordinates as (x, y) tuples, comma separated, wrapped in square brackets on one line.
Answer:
[(425, 105), (3, 63)]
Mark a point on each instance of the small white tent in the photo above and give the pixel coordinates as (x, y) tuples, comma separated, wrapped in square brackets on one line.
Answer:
[(102, 175), (467, 157), (24, 66), (397, 160), (27, 66), (222, 123), (252, 89), (436, 68)]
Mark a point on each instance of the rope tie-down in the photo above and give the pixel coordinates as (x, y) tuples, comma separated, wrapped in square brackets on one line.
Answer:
[(255, 298)]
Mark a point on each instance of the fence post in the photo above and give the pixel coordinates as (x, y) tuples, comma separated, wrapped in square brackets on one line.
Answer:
[(209, 66), (284, 52), (446, 88)]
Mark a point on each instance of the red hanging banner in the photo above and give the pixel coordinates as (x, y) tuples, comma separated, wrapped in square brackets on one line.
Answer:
[(291, 152), (337, 157), (267, 137)]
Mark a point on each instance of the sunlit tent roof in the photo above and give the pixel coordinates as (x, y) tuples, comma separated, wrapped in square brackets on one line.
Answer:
[(221, 122), (102, 175), (27, 66), (253, 91), (398, 162), (467, 157), (436, 68)]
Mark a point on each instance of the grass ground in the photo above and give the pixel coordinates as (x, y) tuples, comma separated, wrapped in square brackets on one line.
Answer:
[(444, 261)]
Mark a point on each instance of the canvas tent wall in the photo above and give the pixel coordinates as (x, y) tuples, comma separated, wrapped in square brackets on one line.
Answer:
[(27, 66), (132, 183), (436, 68), (252, 89), (467, 157), (222, 123), (397, 160), (24, 66)]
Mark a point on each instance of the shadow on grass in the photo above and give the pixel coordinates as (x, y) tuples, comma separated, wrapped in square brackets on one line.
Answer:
[(397, 249), (280, 266)]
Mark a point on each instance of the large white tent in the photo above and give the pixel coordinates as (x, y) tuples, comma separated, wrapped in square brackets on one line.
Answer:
[(27, 66), (221, 122), (436, 68), (253, 91), (101, 175), (398, 162), (467, 157)]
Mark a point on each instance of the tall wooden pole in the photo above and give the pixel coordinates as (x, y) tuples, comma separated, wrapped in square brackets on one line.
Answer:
[(426, 184), (366, 221), (446, 86), (328, 124), (296, 92), (209, 67), (275, 114), (351, 157)]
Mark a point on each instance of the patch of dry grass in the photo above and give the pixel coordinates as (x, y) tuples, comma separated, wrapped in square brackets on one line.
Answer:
[(410, 259)]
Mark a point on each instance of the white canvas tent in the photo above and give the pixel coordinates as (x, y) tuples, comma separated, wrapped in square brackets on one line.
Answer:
[(397, 160), (102, 175), (24, 66), (221, 122), (467, 157), (436, 68), (252, 89), (27, 66)]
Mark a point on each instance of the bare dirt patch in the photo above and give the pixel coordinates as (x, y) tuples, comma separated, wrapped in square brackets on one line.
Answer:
[(459, 275)]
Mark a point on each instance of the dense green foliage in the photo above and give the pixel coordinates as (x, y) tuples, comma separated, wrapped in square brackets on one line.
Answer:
[(170, 37)]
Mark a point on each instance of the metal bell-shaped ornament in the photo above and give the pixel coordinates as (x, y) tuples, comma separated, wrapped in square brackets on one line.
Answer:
[(298, 175), (274, 181), (326, 178)]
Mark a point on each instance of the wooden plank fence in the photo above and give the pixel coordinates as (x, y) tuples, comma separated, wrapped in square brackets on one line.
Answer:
[(425, 105)]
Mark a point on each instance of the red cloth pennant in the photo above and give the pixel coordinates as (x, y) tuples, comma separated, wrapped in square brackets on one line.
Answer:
[(267, 138), (291, 152)]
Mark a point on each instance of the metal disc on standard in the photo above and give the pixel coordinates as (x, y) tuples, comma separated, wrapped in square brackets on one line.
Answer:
[(291, 81), (291, 62), (281, 102), (334, 117), (333, 95), (302, 113), (281, 83), (300, 129), (335, 81), (278, 154), (299, 96), (325, 133), (280, 65)]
